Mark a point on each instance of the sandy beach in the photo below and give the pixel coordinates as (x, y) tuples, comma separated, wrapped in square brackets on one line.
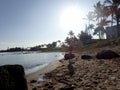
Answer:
[(89, 74), (34, 76)]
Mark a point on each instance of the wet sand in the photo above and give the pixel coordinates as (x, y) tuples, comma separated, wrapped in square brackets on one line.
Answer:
[(34, 76)]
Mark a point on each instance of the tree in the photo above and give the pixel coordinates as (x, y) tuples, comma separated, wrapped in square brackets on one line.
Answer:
[(54, 44), (84, 37), (36, 48), (67, 40), (16, 49), (102, 14), (59, 42), (100, 32), (42, 45), (51, 45), (71, 33), (98, 11), (71, 41), (89, 17), (115, 11), (90, 27)]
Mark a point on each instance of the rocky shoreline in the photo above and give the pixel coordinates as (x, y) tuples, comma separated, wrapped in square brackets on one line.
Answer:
[(91, 74), (80, 73)]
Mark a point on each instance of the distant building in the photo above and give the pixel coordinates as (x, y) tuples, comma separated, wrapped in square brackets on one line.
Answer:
[(111, 32)]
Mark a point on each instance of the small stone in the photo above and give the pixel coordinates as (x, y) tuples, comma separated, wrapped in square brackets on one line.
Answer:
[(115, 70), (95, 82), (106, 82), (87, 88), (113, 78), (59, 74)]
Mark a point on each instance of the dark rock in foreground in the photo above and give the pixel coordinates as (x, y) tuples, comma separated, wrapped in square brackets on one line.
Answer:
[(69, 56), (86, 57), (106, 54), (12, 77)]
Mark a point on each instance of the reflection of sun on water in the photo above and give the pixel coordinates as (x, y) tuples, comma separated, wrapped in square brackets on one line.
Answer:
[(71, 18)]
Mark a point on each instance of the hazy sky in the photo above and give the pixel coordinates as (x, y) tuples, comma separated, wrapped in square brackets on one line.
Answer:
[(33, 22)]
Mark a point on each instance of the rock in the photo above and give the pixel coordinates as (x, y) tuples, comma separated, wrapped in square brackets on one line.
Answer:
[(12, 77), (59, 74), (67, 88), (87, 88), (33, 81), (95, 82), (69, 56), (106, 54), (34, 88), (48, 86), (106, 82), (113, 78), (115, 70), (86, 57)]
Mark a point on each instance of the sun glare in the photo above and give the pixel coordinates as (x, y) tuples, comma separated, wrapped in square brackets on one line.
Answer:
[(71, 18)]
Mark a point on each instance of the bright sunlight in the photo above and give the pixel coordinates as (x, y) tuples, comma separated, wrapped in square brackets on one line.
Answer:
[(71, 18)]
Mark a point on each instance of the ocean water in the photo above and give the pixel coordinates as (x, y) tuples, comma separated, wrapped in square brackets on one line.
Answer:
[(31, 61)]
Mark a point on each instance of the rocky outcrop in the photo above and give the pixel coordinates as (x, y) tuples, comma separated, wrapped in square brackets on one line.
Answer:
[(12, 77), (69, 56), (106, 54)]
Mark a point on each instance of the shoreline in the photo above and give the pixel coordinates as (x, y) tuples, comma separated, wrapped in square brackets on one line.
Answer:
[(34, 76)]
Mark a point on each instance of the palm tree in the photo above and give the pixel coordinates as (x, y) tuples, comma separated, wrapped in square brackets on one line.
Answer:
[(99, 15), (98, 11), (115, 11), (100, 32), (89, 17), (90, 27), (102, 14), (104, 22)]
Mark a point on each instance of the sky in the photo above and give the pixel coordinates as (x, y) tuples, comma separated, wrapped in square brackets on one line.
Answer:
[(26, 23)]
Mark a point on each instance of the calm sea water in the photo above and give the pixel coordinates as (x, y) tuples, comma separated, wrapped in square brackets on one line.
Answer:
[(31, 61)]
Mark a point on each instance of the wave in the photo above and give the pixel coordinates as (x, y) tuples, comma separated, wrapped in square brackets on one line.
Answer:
[(32, 69)]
